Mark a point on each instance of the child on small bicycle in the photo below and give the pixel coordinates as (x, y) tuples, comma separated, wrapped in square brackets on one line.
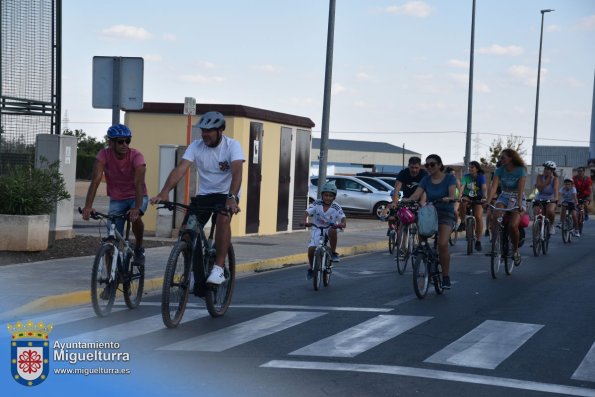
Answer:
[(324, 212), (569, 201)]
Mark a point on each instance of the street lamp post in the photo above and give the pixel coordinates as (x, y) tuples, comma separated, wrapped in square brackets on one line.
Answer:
[(537, 102), (470, 95)]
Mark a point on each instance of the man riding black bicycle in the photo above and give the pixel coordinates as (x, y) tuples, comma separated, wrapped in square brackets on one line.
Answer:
[(218, 159)]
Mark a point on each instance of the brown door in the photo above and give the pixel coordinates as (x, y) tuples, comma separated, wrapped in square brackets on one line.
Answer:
[(300, 178), (254, 178), (284, 180)]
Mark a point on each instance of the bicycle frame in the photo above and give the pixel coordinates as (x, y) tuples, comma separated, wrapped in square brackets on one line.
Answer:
[(500, 240), (541, 222), (322, 270)]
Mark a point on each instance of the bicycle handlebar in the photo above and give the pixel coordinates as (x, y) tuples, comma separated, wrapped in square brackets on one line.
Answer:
[(504, 209), (99, 215), (171, 205), (310, 224)]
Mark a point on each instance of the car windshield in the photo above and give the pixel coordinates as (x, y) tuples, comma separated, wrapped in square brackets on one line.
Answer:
[(375, 183)]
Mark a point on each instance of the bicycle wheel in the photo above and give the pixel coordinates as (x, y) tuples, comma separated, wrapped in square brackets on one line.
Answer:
[(391, 240), (437, 279), (134, 282), (537, 236), (454, 236), (496, 257), (176, 284), (103, 291), (546, 238), (326, 272), (421, 277), (317, 268), (402, 254), (508, 261), (219, 296), (581, 220), (566, 229), (470, 234)]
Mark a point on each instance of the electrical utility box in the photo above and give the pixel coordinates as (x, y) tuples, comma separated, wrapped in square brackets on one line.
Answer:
[(60, 148)]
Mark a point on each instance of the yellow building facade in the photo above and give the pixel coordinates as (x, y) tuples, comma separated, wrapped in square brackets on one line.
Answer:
[(275, 175)]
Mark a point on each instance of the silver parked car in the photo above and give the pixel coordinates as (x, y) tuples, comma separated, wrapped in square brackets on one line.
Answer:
[(354, 195)]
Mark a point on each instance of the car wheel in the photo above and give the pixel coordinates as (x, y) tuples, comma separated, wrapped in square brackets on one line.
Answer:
[(379, 209)]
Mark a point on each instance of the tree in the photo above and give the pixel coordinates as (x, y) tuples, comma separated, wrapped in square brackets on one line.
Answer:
[(86, 144), (512, 142)]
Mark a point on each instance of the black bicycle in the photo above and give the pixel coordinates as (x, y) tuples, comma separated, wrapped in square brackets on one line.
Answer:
[(195, 251), (321, 265), (105, 277)]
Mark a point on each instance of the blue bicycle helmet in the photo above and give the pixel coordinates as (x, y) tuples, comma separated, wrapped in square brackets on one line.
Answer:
[(212, 120), (119, 131)]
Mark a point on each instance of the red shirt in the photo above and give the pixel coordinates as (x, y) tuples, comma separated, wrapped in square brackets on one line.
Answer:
[(583, 186), (119, 174)]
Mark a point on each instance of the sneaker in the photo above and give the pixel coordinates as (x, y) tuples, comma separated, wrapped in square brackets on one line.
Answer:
[(217, 275), (104, 295), (487, 233), (461, 227), (516, 257), (139, 256), (552, 230), (576, 234), (309, 274), (335, 257), (446, 282), (478, 245)]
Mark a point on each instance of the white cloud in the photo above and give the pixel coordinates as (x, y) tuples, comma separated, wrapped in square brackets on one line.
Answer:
[(169, 37), (414, 8), (267, 68), (200, 79), (456, 63), (126, 32), (525, 75), (480, 86), (587, 23), (206, 64), (552, 28), (152, 57), (337, 89), (361, 76), (496, 49)]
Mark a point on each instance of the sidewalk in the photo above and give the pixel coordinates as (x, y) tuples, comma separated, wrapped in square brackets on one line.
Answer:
[(38, 286)]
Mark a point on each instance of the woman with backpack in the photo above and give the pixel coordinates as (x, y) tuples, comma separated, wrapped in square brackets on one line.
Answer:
[(439, 188)]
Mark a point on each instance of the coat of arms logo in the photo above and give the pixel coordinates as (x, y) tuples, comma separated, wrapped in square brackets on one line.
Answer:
[(29, 348)]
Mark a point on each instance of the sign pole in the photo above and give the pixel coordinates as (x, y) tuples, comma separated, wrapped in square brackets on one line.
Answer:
[(190, 110)]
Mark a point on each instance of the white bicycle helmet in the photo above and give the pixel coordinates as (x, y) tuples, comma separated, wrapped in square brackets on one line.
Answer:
[(550, 164), (212, 120)]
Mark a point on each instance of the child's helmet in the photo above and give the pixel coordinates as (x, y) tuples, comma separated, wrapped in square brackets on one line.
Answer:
[(406, 216), (329, 187)]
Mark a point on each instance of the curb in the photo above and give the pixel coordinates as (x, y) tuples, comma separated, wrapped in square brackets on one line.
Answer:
[(155, 284)]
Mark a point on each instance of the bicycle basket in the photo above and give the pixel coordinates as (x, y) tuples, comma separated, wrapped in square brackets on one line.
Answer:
[(406, 216), (427, 221)]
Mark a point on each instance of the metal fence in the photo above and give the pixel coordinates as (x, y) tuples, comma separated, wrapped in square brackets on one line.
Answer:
[(30, 76)]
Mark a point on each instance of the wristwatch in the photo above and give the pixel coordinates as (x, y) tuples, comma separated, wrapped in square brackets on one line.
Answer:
[(232, 196)]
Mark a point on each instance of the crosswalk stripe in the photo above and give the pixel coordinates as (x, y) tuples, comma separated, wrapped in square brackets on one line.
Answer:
[(362, 337), (70, 316), (487, 345), (120, 332), (586, 370), (245, 332)]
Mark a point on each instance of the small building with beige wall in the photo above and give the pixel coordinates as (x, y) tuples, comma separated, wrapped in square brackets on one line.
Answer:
[(276, 145)]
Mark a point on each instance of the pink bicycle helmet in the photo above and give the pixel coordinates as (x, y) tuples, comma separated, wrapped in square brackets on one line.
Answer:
[(406, 216)]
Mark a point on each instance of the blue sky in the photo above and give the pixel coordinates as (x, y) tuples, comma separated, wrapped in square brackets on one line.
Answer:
[(400, 68)]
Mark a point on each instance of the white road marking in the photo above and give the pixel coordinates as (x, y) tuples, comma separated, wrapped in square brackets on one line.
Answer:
[(362, 337), (245, 332), (434, 375), (288, 307), (586, 371), (487, 345), (120, 332), (402, 300)]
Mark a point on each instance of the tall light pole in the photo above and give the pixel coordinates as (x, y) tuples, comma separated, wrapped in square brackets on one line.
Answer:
[(537, 103), (326, 106), (470, 95)]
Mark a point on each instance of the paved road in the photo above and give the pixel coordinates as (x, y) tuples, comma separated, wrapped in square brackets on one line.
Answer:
[(529, 334)]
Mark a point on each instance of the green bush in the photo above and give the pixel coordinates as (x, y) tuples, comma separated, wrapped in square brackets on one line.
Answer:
[(26, 190), (84, 165)]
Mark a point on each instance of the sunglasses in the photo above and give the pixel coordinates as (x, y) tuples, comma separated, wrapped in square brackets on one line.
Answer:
[(430, 165), (122, 141)]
